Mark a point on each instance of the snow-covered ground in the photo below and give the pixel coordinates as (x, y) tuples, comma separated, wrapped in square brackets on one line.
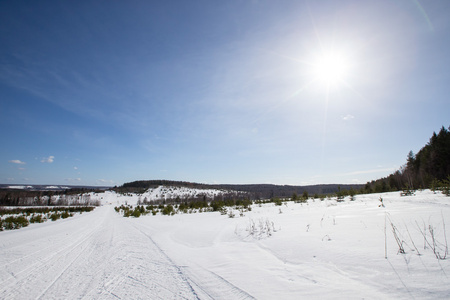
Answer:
[(314, 250)]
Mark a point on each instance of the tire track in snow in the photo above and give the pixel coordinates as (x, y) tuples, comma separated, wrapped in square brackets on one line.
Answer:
[(205, 283), (179, 271), (93, 243), (61, 274), (120, 280), (29, 279), (214, 285), (136, 268), (31, 255), (13, 247), (110, 258), (42, 264)]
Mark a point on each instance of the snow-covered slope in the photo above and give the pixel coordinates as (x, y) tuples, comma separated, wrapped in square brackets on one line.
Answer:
[(315, 250), (172, 192), (159, 193)]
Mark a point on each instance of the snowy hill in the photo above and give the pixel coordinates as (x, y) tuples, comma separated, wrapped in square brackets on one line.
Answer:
[(160, 193), (173, 192)]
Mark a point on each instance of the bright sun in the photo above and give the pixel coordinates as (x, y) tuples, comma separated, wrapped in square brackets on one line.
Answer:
[(330, 69)]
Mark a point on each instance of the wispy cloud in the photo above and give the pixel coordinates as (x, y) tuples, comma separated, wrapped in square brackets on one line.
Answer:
[(104, 181), (348, 117), (370, 171), (49, 159), (75, 168), (72, 180), (16, 161)]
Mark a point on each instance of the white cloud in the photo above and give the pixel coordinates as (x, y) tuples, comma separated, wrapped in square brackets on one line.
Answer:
[(104, 181), (75, 168), (73, 179), (49, 159), (348, 117), (16, 161), (370, 171)]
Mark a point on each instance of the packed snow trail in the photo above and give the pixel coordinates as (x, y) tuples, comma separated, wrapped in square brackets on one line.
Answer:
[(98, 255)]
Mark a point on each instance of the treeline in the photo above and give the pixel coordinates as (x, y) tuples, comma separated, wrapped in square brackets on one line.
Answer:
[(252, 191), (140, 186), (146, 184), (429, 168), (268, 191), (77, 197)]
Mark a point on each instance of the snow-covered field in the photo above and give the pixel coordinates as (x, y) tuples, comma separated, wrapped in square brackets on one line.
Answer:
[(314, 250)]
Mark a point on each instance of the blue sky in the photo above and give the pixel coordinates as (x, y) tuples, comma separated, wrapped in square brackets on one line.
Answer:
[(107, 92)]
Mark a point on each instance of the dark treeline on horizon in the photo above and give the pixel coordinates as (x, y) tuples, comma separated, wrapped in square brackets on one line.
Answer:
[(254, 191), (429, 168), (20, 197)]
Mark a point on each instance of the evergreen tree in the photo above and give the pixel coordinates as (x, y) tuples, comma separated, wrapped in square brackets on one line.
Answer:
[(422, 170)]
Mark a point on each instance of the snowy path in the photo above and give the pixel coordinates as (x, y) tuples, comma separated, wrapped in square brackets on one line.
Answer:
[(98, 255)]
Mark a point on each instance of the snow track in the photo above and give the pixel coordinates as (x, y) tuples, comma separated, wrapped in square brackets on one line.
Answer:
[(204, 283), (212, 286), (98, 255)]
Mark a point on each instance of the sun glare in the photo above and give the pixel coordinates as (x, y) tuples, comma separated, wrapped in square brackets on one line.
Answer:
[(330, 69)]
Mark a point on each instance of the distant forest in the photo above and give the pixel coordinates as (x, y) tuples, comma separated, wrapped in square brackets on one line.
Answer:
[(254, 191), (429, 168), (21, 197)]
